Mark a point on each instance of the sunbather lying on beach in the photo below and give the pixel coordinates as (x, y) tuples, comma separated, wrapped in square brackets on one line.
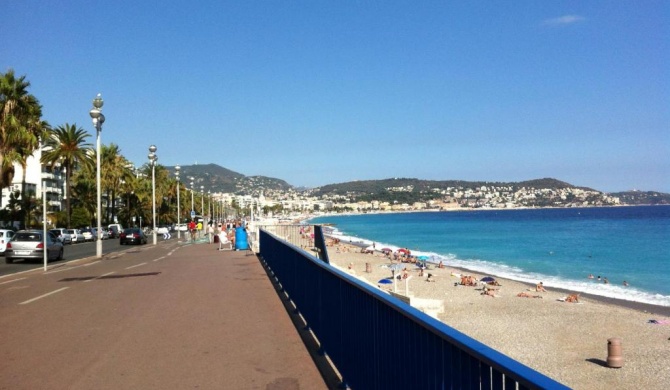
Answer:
[(430, 278), (526, 295)]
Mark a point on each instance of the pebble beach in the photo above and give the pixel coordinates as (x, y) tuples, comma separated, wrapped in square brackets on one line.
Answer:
[(565, 341)]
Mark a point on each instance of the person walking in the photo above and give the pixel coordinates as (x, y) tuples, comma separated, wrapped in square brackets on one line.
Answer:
[(191, 229), (210, 233)]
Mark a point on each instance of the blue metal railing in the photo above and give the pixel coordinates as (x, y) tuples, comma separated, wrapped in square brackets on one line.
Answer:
[(378, 342)]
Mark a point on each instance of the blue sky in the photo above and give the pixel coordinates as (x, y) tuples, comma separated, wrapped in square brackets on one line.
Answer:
[(319, 92)]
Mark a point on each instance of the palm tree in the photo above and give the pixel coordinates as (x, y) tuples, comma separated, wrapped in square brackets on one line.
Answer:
[(18, 109), (117, 169), (67, 146)]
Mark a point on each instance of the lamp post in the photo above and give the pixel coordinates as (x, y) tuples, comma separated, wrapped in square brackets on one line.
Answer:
[(202, 202), (98, 120), (152, 160), (176, 173), (192, 206)]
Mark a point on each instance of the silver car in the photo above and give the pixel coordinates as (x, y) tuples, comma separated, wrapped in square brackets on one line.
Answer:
[(29, 244), (76, 235), (62, 235)]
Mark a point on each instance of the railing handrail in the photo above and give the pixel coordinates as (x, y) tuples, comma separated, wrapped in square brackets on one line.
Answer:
[(287, 265)]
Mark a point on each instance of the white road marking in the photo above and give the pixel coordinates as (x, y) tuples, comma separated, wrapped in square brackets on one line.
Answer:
[(136, 265), (43, 296), (11, 281)]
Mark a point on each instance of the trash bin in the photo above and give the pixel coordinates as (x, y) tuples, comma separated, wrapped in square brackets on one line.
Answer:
[(614, 357)]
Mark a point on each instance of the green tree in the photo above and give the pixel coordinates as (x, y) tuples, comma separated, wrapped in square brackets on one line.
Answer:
[(116, 169), (67, 146), (21, 126)]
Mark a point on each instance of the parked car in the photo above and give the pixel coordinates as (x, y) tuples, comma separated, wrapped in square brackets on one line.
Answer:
[(29, 244), (132, 236), (76, 235), (182, 227), (103, 236), (62, 235), (162, 230), (115, 230), (88, 234), (5, 236)]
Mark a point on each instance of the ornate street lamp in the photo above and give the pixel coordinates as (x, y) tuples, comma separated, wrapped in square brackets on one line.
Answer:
[(176, 173), (98, 119), (152, 160)]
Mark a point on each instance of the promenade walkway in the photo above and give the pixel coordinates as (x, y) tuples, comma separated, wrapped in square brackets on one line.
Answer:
[(174, 316)]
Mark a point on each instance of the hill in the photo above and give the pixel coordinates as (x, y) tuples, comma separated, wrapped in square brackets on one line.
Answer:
[(215, 178), (369, 187)]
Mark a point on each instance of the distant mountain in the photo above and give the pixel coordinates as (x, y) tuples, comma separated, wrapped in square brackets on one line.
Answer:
[(369, 187), (218, 179), (642, 197)]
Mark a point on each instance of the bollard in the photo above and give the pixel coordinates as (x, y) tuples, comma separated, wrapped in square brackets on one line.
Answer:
[(368, 268), (614, 358)]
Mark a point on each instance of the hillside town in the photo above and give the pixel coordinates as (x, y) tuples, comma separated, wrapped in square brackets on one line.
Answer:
[(447, 199)]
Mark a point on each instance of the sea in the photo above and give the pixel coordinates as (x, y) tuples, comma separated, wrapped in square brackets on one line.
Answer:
[(560, 247)]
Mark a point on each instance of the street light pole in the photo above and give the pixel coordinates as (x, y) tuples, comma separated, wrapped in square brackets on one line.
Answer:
[(202, 202), (192, 206), (177, 168), (98, 120), (152, 160)]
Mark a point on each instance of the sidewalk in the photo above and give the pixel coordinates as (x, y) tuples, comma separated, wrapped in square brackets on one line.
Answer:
[(173, 316)]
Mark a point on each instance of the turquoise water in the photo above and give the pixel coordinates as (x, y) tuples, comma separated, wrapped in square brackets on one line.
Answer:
[(559, 247)]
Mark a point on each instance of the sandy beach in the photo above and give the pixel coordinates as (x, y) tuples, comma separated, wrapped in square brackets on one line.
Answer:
[(565, 341)]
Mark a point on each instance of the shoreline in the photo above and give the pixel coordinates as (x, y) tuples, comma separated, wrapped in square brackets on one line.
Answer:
[(634, 305)]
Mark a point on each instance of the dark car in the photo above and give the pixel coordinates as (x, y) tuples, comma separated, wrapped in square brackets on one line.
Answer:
[(132, 236), (29, 244)]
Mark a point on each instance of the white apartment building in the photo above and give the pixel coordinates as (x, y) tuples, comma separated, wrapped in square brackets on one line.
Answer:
[(38, 177)]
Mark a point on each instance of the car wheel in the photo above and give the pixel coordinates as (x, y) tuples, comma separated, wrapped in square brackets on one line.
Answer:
[(60, 254)]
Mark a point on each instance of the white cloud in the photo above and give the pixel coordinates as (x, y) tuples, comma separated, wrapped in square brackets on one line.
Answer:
[(564, 20)]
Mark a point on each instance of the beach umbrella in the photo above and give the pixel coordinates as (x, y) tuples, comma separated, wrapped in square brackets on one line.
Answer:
[(385, 281), (387, 250), (423, 257), (487, 279), (403, 250)]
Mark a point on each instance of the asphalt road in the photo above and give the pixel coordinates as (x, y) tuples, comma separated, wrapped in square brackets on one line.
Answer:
[(72, 252)]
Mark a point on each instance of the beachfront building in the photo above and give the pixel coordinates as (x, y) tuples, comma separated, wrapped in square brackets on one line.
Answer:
[(35, 178)]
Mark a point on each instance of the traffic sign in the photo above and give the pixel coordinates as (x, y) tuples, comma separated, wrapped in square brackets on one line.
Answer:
[(192, 214)]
